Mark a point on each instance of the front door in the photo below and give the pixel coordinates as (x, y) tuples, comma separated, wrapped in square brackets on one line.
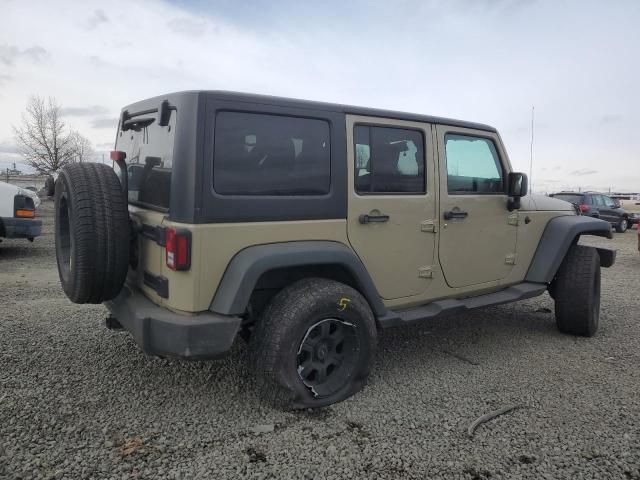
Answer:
[(478, 234), (392, 202)]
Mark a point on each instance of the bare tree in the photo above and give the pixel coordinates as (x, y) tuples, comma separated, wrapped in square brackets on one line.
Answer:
[(43, 139), (81, 146)]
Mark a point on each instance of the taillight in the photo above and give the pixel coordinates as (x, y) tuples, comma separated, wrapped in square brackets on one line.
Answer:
[(117, 155), (584, 208), (23, 207), (25, 213), (178, 248)]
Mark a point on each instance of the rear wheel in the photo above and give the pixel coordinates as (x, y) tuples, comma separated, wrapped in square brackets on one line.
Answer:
[(313, 345), (622, 226), (577, 292), (91, 232)]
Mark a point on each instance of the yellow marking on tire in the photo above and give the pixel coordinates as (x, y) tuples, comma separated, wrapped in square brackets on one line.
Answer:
[(342, 304)]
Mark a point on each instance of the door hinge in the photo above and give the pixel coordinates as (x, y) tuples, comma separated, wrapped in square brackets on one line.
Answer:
[(153, 232), (428, 226), (425, 272), (514, 219), (511, 259)]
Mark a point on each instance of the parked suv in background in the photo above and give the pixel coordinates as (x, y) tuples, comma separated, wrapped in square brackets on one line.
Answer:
[(307, 228), (597, 205)]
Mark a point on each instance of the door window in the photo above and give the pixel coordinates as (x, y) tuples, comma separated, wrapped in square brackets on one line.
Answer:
[(388, 160), (473, 165), (608, 202)]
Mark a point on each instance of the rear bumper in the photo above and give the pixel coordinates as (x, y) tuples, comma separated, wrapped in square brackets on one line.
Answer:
[(20, 227), (160, 331)]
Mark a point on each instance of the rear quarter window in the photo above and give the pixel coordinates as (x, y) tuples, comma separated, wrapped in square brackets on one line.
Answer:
[(262, 154)]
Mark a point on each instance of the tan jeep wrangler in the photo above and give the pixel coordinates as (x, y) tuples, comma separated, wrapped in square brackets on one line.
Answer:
[(306, 228)]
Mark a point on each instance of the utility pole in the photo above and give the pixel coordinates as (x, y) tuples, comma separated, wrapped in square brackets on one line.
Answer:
[(533, 108)]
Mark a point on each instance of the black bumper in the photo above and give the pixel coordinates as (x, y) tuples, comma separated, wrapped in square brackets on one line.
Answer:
[(20, 227), (160, 331)]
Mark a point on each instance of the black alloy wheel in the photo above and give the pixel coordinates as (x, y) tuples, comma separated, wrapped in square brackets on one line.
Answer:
[(328, 355)]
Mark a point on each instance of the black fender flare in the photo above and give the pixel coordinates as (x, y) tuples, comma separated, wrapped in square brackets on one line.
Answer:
[(558, 236), (246, 267)]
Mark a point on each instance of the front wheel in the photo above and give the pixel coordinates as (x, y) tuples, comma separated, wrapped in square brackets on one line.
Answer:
[(577, 292), (313, 345)]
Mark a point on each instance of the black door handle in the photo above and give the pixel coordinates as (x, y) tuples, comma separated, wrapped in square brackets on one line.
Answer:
[(455, 213), (364, 219)]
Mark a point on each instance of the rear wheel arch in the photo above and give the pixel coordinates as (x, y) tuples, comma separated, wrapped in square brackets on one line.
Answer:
[(266, 269)]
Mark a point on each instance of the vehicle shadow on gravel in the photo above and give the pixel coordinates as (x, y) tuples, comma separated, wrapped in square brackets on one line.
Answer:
[(469, 341)]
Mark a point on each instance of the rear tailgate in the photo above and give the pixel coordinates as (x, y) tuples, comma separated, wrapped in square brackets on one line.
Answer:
[(147, 138)]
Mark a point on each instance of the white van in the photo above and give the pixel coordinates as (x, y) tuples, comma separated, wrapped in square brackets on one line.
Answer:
[(17, 213)]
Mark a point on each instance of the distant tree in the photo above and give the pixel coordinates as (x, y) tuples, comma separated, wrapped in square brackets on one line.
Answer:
[(81, 147), (44, 140)]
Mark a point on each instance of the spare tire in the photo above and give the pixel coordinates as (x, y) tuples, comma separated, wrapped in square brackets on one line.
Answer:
[(91, 232)]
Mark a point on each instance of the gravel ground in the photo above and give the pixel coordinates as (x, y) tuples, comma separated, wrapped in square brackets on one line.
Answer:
[(79, 401)]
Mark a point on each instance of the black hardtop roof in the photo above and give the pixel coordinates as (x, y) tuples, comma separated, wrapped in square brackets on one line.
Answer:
[(309, 104)]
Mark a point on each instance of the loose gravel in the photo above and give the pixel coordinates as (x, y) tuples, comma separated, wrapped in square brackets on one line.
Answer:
[(80, 401)]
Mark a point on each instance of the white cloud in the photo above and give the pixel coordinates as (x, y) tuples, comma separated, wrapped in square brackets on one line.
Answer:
[(88, 111), (10, 54)]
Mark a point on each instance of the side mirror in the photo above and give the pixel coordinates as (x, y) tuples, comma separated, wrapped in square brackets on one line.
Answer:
[(517, 187)]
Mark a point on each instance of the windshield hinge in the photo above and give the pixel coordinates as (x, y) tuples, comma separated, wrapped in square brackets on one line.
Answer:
[(154, 232), (511, 259), (514, 219)]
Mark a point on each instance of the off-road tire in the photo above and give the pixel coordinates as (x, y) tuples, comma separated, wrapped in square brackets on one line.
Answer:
[(283, 326), (91, 232), (622, 226), (577, 292)]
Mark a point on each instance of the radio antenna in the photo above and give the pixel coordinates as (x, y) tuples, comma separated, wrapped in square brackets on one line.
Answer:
[(533, 108)]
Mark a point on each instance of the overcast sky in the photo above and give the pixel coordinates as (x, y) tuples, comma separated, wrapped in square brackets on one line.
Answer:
[(489, 61)]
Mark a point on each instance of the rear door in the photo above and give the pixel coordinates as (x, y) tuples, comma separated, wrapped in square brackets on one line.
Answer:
[(598, 202), (392, 202), (478, 234), (608, 210), (149, 156)]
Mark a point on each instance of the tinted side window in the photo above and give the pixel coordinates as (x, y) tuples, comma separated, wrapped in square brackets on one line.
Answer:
[(473, 165), (257, 154), (388, 160), (598, 200)]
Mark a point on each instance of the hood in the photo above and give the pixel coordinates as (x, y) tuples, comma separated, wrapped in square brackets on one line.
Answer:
[(9, 189), (544, 203), (12, 190)]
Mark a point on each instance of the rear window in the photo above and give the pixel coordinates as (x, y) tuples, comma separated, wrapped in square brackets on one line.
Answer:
[(569, 197), (257, 154), (149, 149)]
